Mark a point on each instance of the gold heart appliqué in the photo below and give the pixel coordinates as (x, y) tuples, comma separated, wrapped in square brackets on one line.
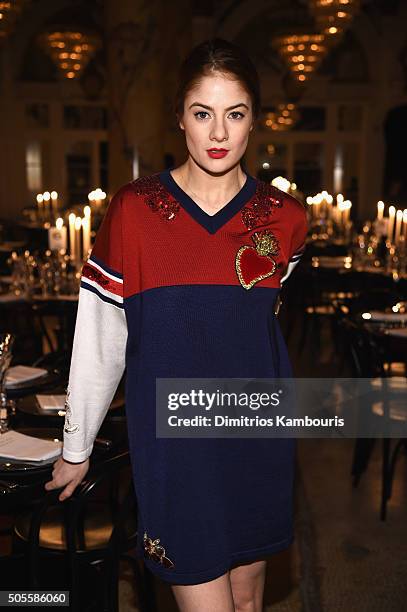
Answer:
[(253, 264)]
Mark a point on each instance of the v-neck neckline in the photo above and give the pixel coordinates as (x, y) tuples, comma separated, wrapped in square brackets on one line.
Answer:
[(212, 223)]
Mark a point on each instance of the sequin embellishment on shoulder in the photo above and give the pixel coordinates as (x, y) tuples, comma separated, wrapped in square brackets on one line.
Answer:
[(156, 552), (266, 198), (157, 198)]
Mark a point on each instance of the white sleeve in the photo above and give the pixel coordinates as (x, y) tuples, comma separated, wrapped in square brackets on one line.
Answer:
[(298, 237), (293, 262), (99, 345), (97, 366)]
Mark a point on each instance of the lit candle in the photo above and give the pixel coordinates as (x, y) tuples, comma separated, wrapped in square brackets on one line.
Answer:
[(390, 227), (399, 219), (318, 201), (338, 212), (86, 227), (380, 209), (347, 205), (57, 236), (47, 197), (329, 201), (72, 218), (97, 197), (78, 225), (309, 201), (54, 200), (405, 223), (40, 202)]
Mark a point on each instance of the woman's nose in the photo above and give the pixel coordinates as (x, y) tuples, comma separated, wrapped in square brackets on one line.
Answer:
[(219, 132)]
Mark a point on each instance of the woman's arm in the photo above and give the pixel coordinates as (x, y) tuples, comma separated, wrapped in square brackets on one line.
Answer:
[(98, 352), (97, 365), (99, 346)]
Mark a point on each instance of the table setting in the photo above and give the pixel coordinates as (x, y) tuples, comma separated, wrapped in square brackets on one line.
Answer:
[(23, 380), (388, 320)]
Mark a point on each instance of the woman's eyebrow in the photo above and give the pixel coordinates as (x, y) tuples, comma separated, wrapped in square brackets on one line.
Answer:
[(212, 109)]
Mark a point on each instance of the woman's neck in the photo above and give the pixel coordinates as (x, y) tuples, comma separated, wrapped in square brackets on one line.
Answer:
[(210, 192)]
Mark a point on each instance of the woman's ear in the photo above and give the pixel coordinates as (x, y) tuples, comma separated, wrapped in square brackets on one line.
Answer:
[(180, 122)]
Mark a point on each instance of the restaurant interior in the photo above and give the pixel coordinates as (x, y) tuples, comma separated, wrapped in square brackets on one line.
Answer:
[(86, 106)]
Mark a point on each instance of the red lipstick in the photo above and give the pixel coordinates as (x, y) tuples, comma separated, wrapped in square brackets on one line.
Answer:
[(217, 153)]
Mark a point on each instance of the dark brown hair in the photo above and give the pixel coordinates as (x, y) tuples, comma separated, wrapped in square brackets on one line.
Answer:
[(217, 55)]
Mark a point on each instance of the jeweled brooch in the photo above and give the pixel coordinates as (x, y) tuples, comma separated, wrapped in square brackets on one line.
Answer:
[(155, 551), (253, 264), (69, 427)]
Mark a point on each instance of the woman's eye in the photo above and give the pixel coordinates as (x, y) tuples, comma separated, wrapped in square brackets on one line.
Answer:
[(241, 115), (237, 114), (200, 113)]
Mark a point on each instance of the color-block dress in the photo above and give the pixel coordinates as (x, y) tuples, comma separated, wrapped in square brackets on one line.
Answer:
[(170, 291)]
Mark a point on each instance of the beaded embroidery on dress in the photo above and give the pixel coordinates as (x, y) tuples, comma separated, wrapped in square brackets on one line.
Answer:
[(157, 198), (266, 198), (69, 427), (155, 551)]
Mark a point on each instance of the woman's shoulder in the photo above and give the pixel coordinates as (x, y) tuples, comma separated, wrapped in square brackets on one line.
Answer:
[(268, 195), (142, 186), (147, 193)]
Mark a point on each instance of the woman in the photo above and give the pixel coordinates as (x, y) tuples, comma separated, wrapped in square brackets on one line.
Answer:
[(182, 282)]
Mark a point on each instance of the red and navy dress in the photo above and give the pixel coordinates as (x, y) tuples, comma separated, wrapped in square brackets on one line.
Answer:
[(172, 292)]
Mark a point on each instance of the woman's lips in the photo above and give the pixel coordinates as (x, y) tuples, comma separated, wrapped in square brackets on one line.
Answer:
[(217, 154)]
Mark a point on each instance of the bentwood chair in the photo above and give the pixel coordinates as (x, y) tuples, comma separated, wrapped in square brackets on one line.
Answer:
[(322, 287), (368, 357), (345, 308), (88, 535)]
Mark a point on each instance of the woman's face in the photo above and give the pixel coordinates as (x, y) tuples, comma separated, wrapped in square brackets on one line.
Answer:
[(217, 114)]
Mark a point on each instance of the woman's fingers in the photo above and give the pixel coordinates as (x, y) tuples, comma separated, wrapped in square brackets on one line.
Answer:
[(67, 492), (66, 475)]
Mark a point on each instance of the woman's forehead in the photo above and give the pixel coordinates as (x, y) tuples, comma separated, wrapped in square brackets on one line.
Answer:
[(217, 87)]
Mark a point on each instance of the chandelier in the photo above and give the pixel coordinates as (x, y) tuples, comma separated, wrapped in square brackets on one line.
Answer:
[(9, 13), (303, 53), (283, 118), (71, 51), (334, 16)]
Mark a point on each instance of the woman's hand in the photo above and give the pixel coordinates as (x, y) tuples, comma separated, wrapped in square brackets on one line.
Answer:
[(69, 474)]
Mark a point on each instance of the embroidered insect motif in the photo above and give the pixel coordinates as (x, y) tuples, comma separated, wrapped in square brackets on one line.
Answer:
[(256, 263), (266, 198), (156, 196), (156, 552), (69, 427)]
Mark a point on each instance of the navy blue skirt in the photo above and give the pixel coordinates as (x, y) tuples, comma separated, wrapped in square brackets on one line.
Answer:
[(205, 505)]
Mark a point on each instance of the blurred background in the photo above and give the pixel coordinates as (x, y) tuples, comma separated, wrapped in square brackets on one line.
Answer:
[(87, 89), (86, 105)]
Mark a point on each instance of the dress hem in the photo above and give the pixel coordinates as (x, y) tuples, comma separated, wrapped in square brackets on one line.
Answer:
[(219, 570)]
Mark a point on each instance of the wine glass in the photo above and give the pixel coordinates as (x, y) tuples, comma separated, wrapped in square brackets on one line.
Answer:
[(6, 345)]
